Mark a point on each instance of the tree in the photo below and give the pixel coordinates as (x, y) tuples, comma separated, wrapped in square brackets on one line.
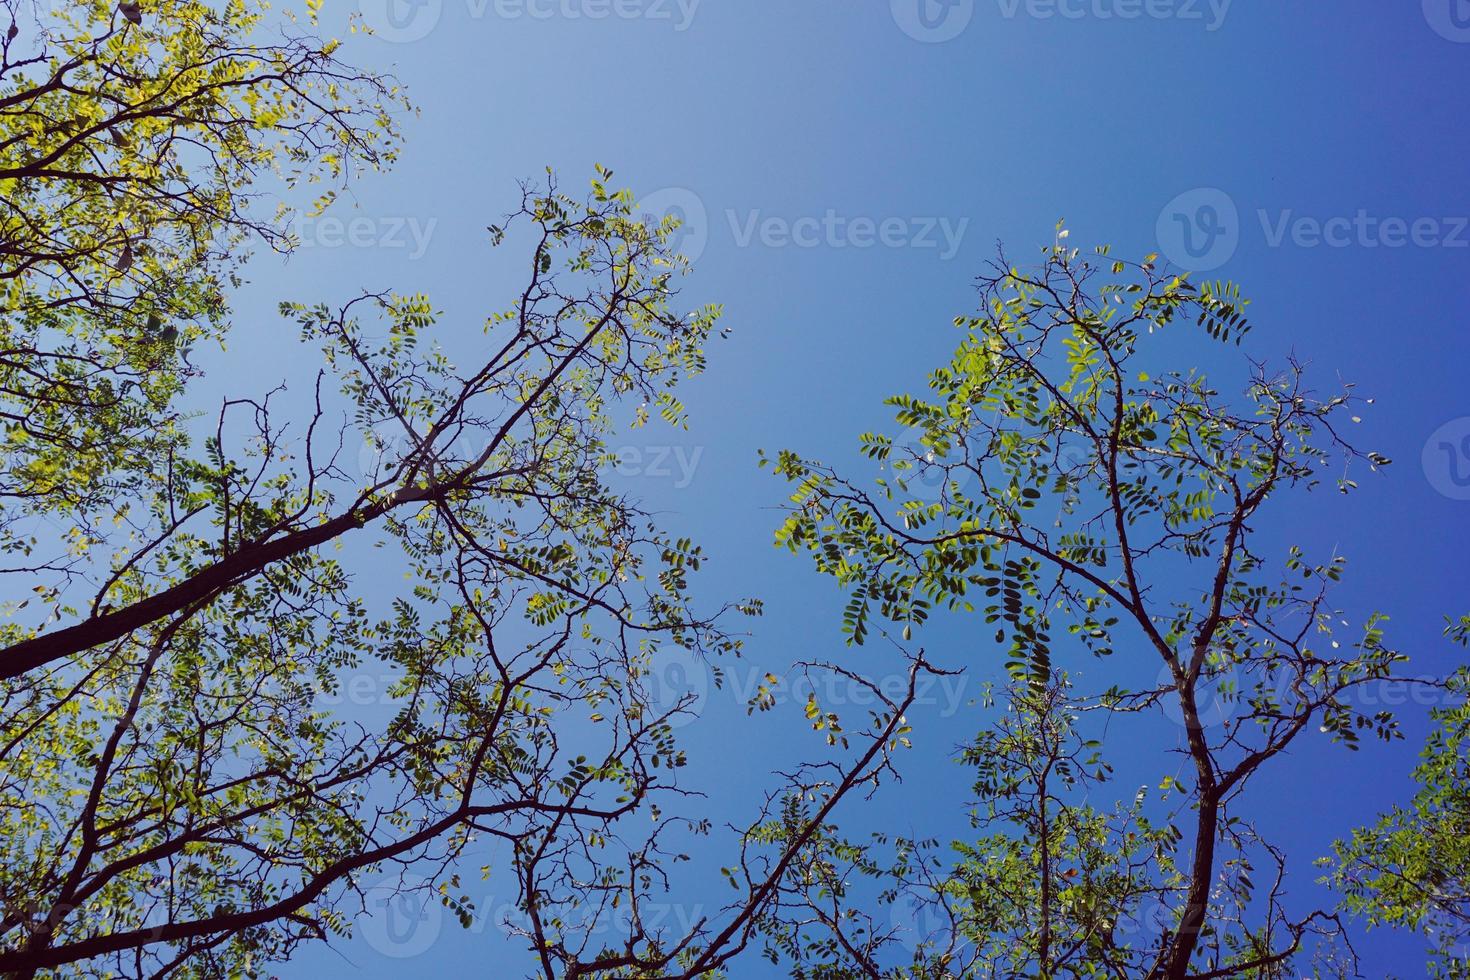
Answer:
[(134, 140), (180, 794), (1056, 886), (174, 734), (179, 799), (1062, 475), (1409, 869)]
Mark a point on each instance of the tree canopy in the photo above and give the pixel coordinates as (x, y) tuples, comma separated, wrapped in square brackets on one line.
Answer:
[(1066, 485), (139, 150), (185, 791), (1409, 869)]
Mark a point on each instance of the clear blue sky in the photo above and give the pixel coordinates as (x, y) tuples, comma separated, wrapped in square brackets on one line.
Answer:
[(1315, 152)]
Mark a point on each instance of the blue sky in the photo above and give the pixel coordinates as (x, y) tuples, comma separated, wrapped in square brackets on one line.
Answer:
[(846, 168)]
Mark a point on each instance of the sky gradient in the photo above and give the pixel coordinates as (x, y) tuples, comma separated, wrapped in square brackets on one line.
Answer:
[(845, 170)]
